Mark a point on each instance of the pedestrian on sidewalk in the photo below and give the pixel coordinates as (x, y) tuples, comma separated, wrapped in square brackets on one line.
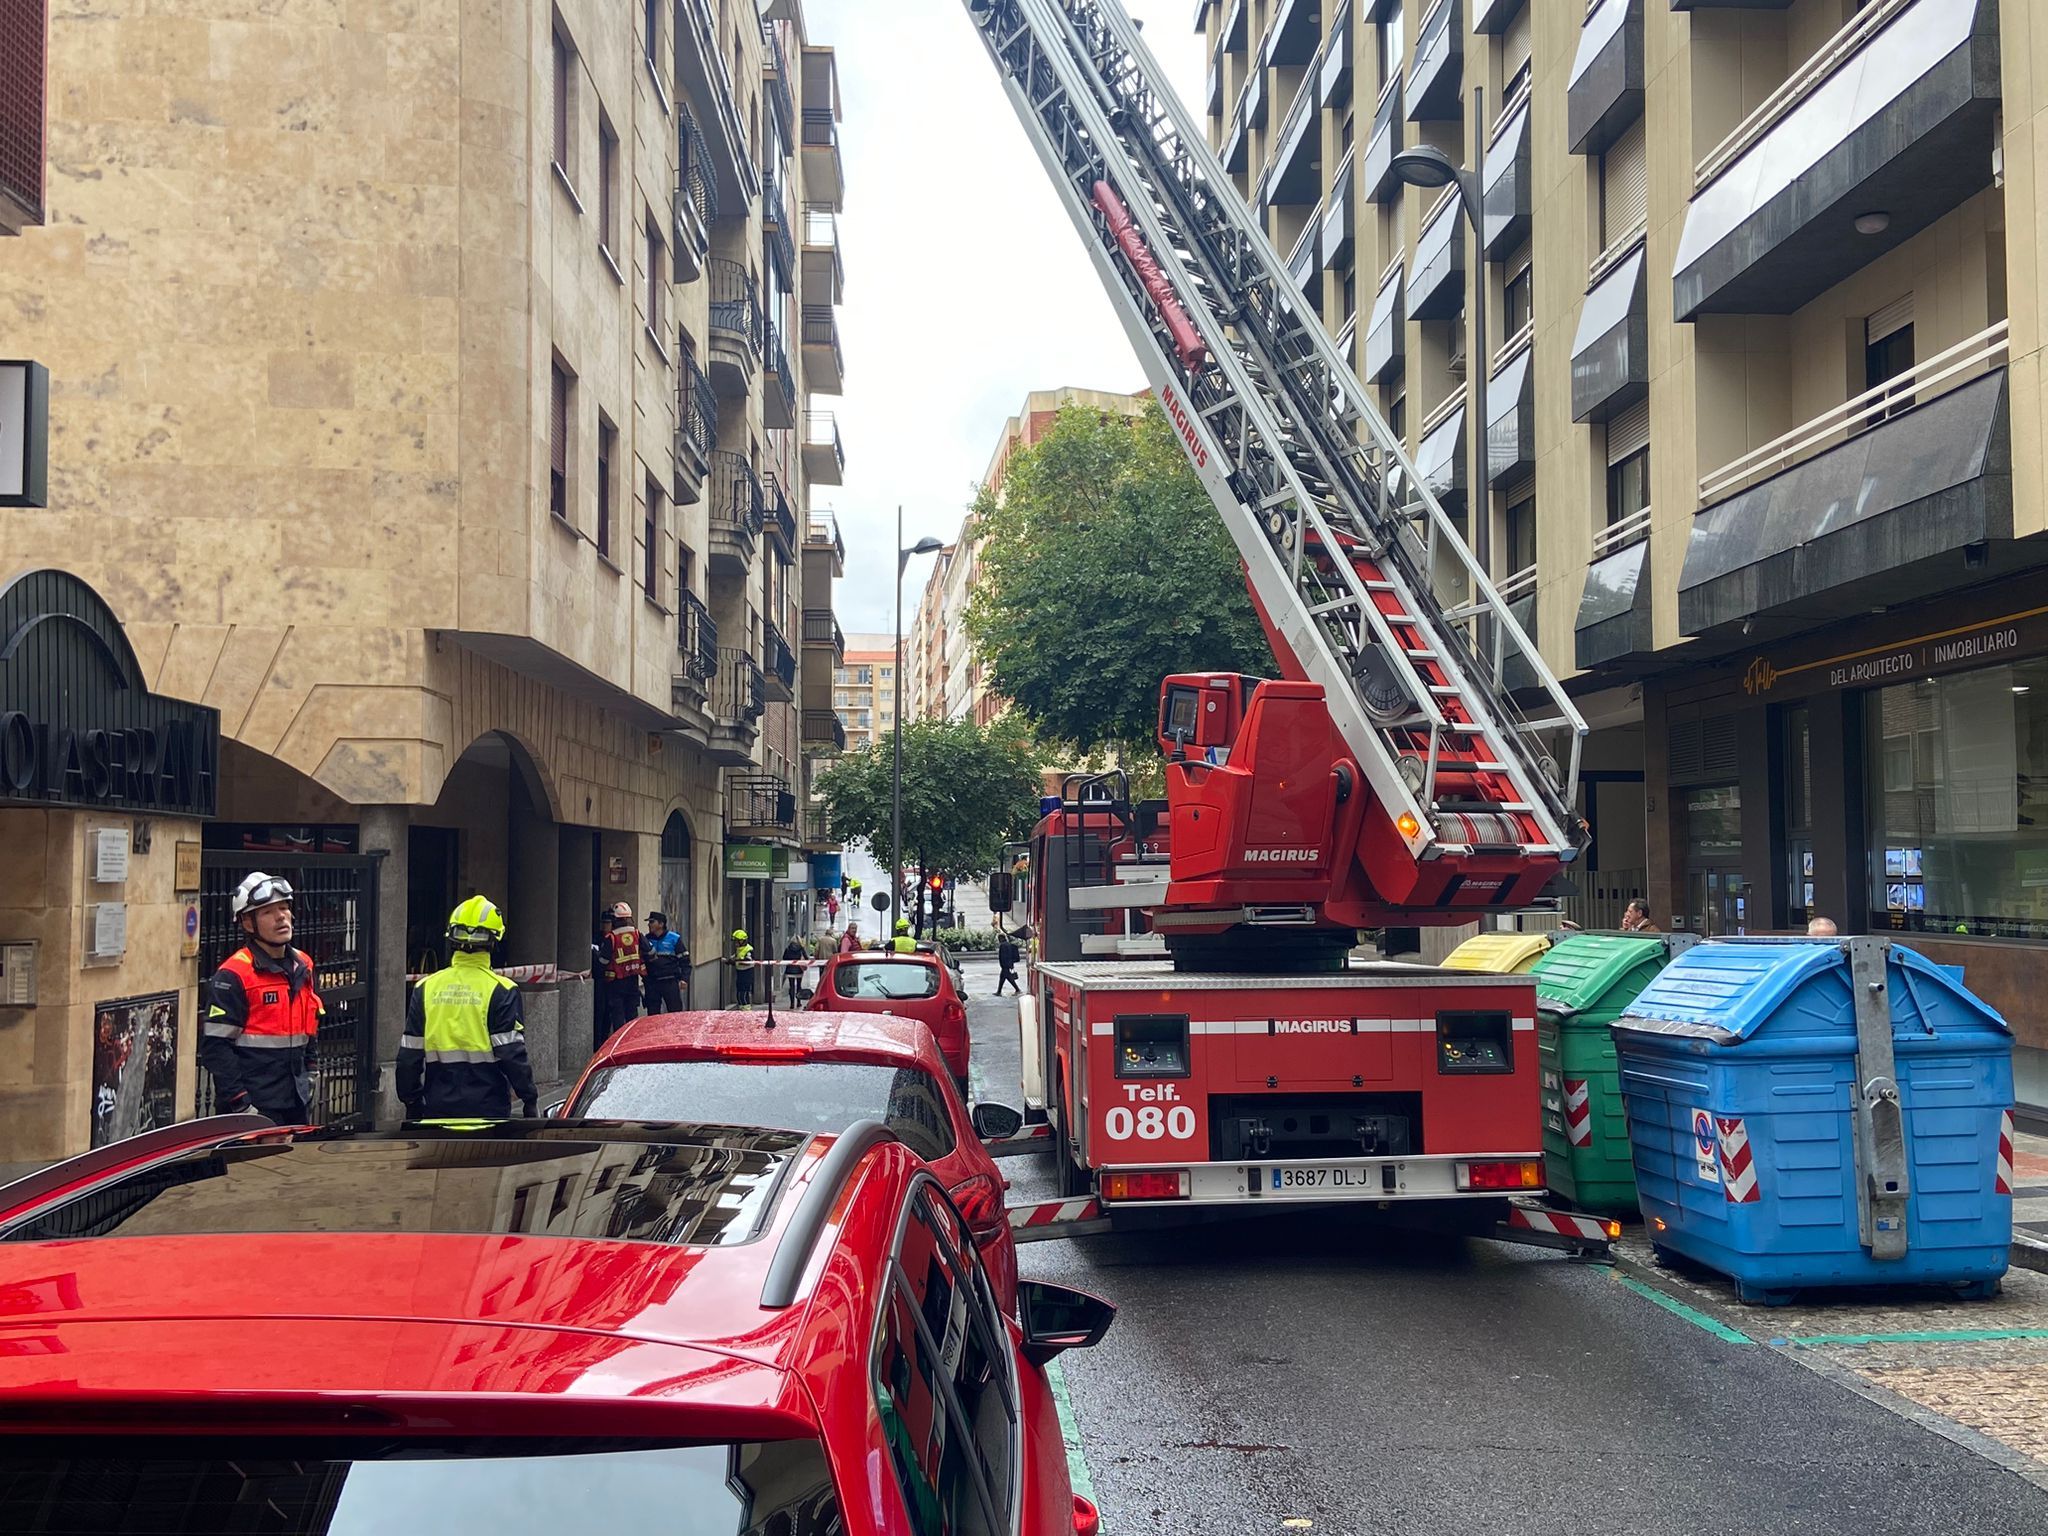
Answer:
[(1007, 956), (262, 1014), (1637, 918), (463, 1053), (742, 969), (622, 959), (849, 941), (793, 971), (668, 965)]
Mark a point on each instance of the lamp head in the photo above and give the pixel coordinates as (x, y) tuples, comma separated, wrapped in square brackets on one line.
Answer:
[(1425, 166)]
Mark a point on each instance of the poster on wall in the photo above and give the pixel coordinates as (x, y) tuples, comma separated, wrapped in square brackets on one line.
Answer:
[(134, 1066)]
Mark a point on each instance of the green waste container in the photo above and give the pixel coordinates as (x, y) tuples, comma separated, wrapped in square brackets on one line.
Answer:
[(1584, 983)]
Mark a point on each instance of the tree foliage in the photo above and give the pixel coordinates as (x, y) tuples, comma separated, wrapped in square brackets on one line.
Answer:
[(1105, 568), (967, 790)]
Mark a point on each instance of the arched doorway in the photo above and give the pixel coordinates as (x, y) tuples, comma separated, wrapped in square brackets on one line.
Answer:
[(678, 879)]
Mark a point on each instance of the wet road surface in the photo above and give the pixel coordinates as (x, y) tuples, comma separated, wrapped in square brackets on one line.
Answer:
[(1296, 1368)]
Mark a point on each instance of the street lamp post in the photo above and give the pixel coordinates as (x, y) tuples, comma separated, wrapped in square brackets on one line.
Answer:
[(1427, 166), (923, 546)]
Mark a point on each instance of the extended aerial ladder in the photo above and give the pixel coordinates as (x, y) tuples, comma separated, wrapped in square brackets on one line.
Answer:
[(1363, 583)]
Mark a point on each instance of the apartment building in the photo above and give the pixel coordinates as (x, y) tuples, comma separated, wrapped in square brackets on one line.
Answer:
[(430, 437), (947, 681), (1761, 468), (864, 689)]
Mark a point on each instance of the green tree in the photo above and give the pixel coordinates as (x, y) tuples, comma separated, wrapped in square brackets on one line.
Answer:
[(1105, 568), (967, 790)]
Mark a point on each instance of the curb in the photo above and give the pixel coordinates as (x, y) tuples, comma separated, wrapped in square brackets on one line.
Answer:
[(2029, 1252)]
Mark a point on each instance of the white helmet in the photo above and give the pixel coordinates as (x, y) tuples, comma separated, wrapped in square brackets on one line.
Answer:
[(260, 890)]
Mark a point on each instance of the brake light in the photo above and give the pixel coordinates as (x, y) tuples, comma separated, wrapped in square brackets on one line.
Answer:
[(981, 1206), (763, 1052), (1502, 1175), (954, 1013), (1087, 1522), (1159, 1184)]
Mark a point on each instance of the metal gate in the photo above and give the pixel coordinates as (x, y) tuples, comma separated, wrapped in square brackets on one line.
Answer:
[(335, 922)]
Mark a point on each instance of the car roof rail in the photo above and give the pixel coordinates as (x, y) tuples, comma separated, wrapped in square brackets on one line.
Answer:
[(793, 1253)]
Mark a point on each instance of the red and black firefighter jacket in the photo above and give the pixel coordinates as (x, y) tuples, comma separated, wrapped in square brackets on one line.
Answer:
[(261, 1019)]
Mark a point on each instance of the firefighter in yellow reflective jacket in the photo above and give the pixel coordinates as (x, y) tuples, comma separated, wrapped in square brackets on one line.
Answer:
[(464, 1048)]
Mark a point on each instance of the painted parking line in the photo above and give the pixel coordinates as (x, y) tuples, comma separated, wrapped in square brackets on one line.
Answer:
[(1927, 1336), (1678, 1308), (1070, 1431)]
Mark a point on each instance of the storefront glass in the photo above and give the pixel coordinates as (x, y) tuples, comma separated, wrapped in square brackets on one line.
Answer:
[(1958, 774), (1716, 895)]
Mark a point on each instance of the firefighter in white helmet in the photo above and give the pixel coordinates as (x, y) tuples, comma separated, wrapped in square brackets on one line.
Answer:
[(261, 1014)]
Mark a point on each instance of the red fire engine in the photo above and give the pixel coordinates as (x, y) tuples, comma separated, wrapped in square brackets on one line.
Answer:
[(1198, 1029)]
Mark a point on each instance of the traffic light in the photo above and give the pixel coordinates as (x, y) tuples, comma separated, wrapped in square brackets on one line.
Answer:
[(937, 882)]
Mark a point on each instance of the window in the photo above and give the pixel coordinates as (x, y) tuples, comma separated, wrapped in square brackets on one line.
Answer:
[(888, 673), (1958, 776), (607, 188), (1628, 463), (1350, 291), (1520, 533), (650, 529), (896, 980), (944, 1378), (607, 451), (1392, 46), (565, 107), (686, 568), (1518, 298), (657, 277), (561, 390), (1624, 185), (1397, 418), (1887, 353), (1516, 44), (653, 10)]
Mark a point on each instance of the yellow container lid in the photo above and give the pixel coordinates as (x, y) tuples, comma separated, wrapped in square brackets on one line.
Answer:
[(1503, 954)]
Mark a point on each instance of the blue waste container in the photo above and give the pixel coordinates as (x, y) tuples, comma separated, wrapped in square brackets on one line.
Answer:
[(1738, 1070)]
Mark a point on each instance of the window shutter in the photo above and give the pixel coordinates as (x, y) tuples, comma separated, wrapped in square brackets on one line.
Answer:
[(1515, 45), (1895, 316), (1629, 432), (1625, 184), (558, 422)]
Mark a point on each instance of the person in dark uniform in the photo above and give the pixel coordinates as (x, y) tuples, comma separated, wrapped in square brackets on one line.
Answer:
[(668, 965), (1007, 956), (262, 1014), (463, 1054)]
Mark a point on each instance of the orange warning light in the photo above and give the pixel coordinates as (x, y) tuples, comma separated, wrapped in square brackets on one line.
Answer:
[(1407, 824)]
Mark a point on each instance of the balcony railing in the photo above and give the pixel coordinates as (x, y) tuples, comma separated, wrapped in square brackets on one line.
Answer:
[(738, 509), (696, 179), (697, 640), (741, 696), (817, 826), (779, 404), (824, 728), (761, 801), (1632, 529), (821, 143), (696, 410), (779, 519), (822, 448), (736, 303), (1938, 375), (775, 69), (779, 661), (821, 627), (1520, 584), (824, 529)]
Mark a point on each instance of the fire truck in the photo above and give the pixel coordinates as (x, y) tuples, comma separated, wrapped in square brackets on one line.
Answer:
[(1199, 1033)]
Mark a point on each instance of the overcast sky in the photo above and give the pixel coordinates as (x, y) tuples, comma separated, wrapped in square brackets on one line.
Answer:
[(966, 284)]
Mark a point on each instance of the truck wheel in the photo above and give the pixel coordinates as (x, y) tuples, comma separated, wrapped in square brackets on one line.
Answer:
[(1074, 1179)]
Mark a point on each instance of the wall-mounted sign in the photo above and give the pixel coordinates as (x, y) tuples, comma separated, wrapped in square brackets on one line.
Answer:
[(134, 1066), (188, 944), (1901, 661), (750, 861), (109, 930), (24, 434), (110, 855), (615, 869), (185, 873)]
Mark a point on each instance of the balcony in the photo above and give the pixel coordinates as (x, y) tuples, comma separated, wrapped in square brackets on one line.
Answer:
[(1297, 153), (1519, 593), (1436, 75), (1895, 117), (822, 632), (1511, 418), (696, 653), (824, 458), (824, 364), (775, 82), (696, 197), (824, 173), (1386, 334), (823, 535), (736, 328), (1236, 29), (1504, 201), (1301, 261), (823, 275), (1902, 493), (739, 697), (707, 84), (778, 400), (1440, 456), (1604, 93), (1490, 18), (1388, 131), (817, 826), (1437, 290), (1334, 78), (823, 731), (1291, 37), (1611, 350), (1251, 100), (1212, 96), (1236, 150), (737, 514), (696, 427), (1340, 223), (775, 232), (760, 803), (779, 520), (1614, 626), (778, 665)]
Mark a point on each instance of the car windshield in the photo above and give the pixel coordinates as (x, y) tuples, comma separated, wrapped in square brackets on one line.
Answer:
[(894, 979), (216, 1489), (792, 1095)]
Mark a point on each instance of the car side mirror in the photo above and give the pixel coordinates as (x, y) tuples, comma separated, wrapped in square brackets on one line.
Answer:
[(996, 1122), (1057, 1318), (1002, 891), (554, 1110)]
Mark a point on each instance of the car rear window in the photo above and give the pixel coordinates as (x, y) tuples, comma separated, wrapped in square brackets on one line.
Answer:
[(259, 1488), (794, 1096), (557, 1182), (896, 979)]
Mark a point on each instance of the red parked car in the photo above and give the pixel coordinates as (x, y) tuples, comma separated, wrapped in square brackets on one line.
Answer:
[(915, 986), (519, 1328), (813, 1072)]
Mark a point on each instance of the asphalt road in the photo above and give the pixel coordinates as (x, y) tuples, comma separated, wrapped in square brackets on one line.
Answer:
[(1285, 1370)]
